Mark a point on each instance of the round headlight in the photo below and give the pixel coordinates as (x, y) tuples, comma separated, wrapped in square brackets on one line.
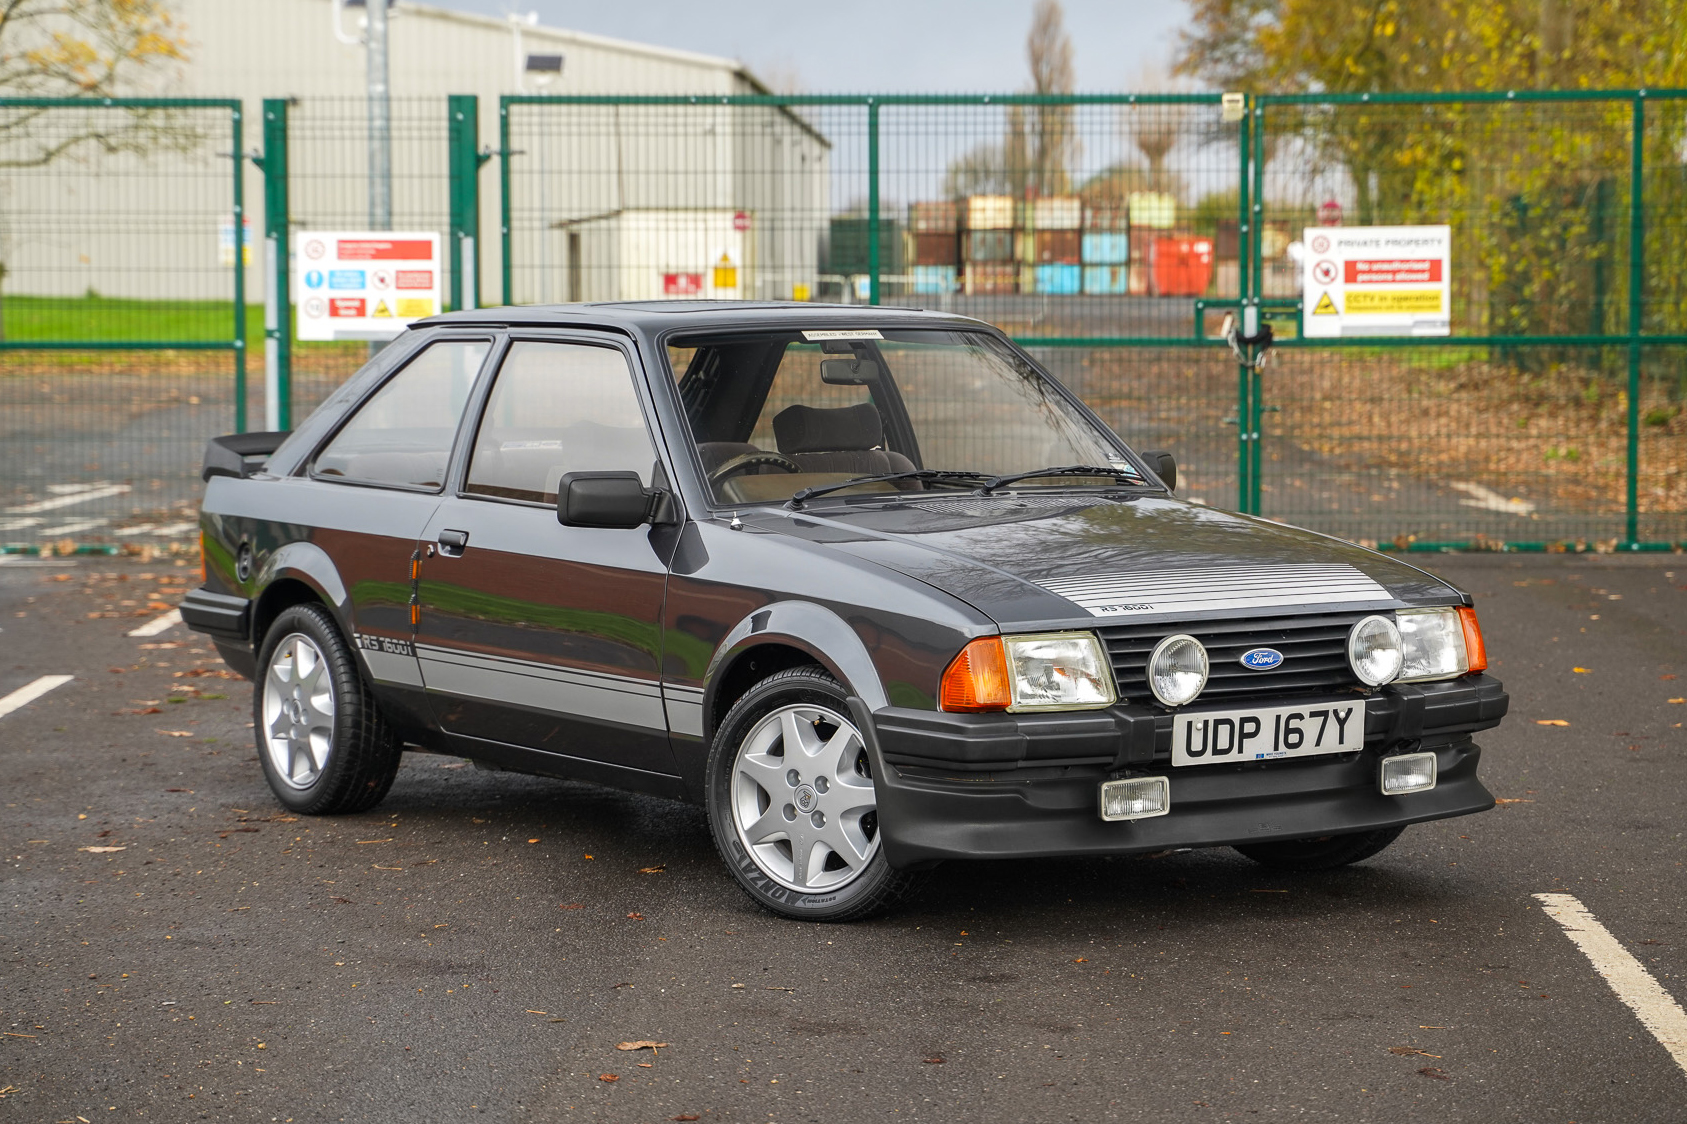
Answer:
[(1373, 648), (1177, 670)]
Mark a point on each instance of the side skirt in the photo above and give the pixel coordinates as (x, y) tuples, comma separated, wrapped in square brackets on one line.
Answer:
[(538, 762)]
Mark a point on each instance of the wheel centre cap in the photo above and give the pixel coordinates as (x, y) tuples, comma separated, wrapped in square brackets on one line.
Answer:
[(806, 798), (295, 711)]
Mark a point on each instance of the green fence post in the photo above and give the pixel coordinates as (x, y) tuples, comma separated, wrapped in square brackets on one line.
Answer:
[(278, 298), (462, 243), (505, 272), (872, 201), (1256, 419), (236, 124), (1244, 279), (1636, 291)]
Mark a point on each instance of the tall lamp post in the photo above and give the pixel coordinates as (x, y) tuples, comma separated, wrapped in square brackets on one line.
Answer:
[(379, 101)]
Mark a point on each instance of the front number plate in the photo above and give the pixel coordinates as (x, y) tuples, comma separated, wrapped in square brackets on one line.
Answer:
[(1268, 733)]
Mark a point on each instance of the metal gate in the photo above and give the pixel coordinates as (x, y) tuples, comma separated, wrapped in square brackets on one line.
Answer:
[(1550, 419)]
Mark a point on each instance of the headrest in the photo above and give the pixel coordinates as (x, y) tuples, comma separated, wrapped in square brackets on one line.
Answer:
[(806, 429)]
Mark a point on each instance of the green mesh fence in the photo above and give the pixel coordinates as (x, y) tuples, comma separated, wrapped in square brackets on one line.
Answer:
[(122, 314)]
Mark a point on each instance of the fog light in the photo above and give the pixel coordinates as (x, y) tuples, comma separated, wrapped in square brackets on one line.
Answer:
[(1410, 772), (1136, 798)]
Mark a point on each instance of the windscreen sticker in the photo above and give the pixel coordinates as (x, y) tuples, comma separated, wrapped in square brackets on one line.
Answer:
[(849, 334)]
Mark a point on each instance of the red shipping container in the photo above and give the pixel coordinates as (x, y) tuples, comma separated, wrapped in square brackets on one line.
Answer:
[(1182, 267), (991, 277), (934, 218), (1059, 247), (936, 248)]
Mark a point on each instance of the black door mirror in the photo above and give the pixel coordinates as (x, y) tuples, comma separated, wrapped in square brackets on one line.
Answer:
[(1164, 466), (604, 499)]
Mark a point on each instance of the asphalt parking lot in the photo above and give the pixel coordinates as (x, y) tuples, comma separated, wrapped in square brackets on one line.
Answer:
[(176, 948)]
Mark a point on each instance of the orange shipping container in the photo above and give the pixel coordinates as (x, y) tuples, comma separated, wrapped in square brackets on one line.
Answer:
[(991, 277), (1182, 267), (1058, 246)]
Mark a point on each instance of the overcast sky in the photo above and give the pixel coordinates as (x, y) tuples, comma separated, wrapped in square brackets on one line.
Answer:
[(879, 45)]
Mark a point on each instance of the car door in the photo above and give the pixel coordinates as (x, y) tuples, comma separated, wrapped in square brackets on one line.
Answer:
[(531, 633), (373, 486)]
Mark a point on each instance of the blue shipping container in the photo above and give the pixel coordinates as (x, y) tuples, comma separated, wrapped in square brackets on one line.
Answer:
[(934, 279), (1106, 249), (1107, 280), (1060, 279)]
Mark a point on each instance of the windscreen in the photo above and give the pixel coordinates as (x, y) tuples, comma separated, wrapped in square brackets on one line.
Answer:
[(777, 412)]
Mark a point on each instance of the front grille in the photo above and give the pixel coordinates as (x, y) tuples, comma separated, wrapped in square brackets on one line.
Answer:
[(1314, 655)]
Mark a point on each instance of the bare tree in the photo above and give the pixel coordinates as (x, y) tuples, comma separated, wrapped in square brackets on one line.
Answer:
[(83, 49), (1156, 129), (1053, 142)]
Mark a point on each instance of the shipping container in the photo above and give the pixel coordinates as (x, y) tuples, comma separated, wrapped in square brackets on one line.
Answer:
[(935, 248), (1056, 212), (847, 252), (1058, 247), (1106, 248), (1153, 209), (1107, 280), (1138, 277), (989, 245), (1182, 267), (1111, 219), (941, 217), (991, 278), (989, 212), (1060, 279), (929, 279)]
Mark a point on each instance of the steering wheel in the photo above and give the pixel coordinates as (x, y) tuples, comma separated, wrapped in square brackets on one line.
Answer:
[(746, 461)]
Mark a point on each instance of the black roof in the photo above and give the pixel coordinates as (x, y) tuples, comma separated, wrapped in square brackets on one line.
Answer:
[(661, 316)]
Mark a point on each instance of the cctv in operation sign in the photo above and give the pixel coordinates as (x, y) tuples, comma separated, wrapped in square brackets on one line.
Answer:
[(365, 285), (1377, 281)]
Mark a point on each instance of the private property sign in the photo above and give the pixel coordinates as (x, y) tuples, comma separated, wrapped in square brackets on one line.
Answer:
[(1377, 281), (365, 285)]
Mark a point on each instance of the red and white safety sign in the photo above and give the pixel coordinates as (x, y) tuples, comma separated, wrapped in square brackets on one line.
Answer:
[(1377, 281), (364, 285)]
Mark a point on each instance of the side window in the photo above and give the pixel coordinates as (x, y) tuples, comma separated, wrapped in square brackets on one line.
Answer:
[(558, 408), (403, 434)]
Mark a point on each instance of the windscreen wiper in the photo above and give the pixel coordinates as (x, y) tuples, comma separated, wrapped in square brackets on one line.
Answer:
[(802, 494), (1120, 475)]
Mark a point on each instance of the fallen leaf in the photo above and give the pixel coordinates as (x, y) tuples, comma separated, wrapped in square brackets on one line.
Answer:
[(933, 1061), (1431, 1071), (609, 1077), (175, 733), (186, 790), (686, 1116), (645, 1065), (361, 842), (781, 989), (635, 917), (1682, 700), (1080, 960), (378, 866), (1511, 800), (1550, 722), (641, 1044), (570, 905), (1406, 1051), (1581, 670), (102, 850), (653, 869)]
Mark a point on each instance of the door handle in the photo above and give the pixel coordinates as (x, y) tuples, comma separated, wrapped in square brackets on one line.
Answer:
[(453, 543)]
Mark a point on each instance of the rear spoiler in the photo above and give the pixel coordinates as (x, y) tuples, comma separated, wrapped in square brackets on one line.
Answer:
[(228, 455)]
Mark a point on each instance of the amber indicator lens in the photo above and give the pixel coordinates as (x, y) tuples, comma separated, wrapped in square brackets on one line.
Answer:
[(1476, 652), (977, 679)]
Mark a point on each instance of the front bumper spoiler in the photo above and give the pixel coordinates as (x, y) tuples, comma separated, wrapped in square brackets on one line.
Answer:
[(1015, 786)]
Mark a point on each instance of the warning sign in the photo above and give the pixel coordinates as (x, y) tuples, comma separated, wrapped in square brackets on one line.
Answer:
[(1378, 281), (346, 283)]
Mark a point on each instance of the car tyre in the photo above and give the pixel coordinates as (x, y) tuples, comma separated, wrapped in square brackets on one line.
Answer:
[(323, 744), (757, 778), (1323, 853)]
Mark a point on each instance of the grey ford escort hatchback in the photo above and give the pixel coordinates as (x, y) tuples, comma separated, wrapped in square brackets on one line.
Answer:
[(867, 584)]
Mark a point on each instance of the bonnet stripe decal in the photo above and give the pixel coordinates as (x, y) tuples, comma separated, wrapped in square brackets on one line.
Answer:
[(1216, 588)]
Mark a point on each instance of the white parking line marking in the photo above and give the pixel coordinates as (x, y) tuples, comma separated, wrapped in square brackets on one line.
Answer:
[(73, 527), (176, 528), (27, 694), (69, 500), (158, 624), (1634, 985), (138, 529), (18, 524)]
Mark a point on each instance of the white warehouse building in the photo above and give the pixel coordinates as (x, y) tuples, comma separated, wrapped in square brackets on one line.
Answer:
[(606, 201)]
